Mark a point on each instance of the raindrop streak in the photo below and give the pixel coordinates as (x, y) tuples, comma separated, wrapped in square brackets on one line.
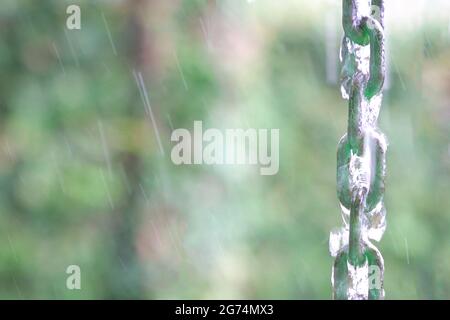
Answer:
[(69, 148), (9, 152), (156, 232), (147, 199), (146, 101), (107, 190), (59, 58), (407, 250), (205, 32), (181, 71), (17, 288), (125, 179), (13, 250), (113, 46), (172, 128), (58, 173), (105, 147)]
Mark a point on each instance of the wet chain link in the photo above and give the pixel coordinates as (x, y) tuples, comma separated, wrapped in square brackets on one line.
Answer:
[(361, 166)]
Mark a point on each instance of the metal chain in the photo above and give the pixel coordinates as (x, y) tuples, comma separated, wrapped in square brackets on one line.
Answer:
[(358, 268)]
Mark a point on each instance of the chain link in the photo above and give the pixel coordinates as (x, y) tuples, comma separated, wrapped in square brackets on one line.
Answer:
[(361, 157)]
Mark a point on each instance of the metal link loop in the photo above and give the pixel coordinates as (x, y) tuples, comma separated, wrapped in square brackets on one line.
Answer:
[(361, 157)]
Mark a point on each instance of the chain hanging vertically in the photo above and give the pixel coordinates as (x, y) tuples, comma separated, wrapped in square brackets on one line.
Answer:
[(358, 268)]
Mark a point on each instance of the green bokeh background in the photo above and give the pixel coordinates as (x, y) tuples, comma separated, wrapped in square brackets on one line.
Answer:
[(83, 181)]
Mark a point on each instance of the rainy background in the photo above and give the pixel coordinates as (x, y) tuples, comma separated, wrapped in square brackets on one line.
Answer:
[(84, 182)]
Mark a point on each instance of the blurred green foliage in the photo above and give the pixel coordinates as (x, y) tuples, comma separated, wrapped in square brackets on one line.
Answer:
[(82, 180)]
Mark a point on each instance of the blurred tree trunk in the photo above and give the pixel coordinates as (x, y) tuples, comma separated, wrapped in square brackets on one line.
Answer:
[(128, 277)]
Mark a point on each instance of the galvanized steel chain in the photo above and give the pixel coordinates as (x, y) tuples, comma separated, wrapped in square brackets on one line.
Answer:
[(358, 268)]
